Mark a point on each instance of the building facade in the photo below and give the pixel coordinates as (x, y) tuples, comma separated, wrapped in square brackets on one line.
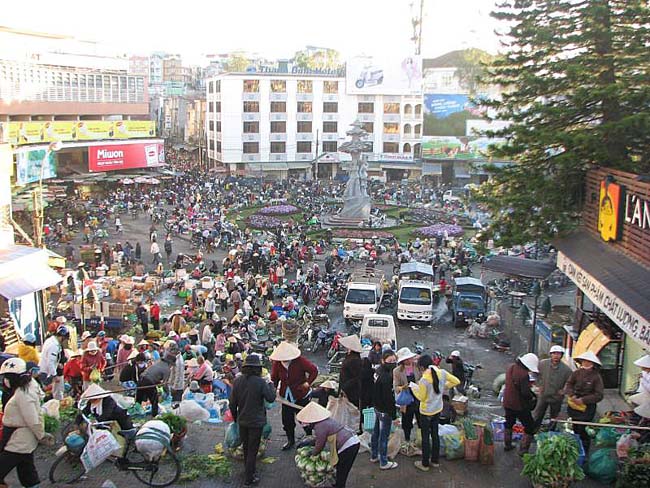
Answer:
[(280, 123)]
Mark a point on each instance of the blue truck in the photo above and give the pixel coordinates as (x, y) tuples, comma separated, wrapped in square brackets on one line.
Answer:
[(468, 301)]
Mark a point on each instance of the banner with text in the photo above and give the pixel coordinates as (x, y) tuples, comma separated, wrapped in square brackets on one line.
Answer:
[(19, 133), (632, 323), (125, 156)]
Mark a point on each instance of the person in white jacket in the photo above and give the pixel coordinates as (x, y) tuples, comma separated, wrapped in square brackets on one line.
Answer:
[(51, 363), (23, 424), (177, 377)]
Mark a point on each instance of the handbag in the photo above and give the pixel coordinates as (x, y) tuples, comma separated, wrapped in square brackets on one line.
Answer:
[(404, 398)]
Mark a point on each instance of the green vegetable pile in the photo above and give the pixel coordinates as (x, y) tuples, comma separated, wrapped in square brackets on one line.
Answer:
[(470, 430), (198, 466), (52, 424), (176, 424), (314, 470), (488, 439), (238, 452), (68, 414), (636, 469), (555, 463)]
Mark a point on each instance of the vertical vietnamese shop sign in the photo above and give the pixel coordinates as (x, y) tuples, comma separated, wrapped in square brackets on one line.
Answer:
[(115, 157), (634, 325)]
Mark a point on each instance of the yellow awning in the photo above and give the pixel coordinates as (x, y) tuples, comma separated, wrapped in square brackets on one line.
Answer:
[(591, 339)]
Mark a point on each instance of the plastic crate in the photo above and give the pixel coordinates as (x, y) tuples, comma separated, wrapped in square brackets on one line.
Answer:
[(581, 449)]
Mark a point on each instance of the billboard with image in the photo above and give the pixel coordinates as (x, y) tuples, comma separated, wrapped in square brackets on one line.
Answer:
[(448, 114), (379, 76), (28, 166), (113, 157)]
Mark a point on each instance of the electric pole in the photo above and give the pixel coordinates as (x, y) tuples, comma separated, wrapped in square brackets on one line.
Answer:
[(416, 21)]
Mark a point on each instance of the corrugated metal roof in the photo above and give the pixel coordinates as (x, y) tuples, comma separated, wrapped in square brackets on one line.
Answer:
[(512, 265)]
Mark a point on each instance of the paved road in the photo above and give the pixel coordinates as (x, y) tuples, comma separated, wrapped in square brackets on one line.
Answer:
[(283, 473)]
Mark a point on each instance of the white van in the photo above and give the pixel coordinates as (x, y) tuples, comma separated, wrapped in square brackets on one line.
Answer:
[(453, 195), (363, 296), (416, 293), (379, 327)]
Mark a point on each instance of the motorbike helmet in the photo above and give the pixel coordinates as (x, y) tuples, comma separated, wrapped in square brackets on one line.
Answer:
[(29, 339), (75, 442), (62, 331)]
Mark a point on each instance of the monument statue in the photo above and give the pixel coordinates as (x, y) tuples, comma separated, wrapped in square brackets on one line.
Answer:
[(356, 204)]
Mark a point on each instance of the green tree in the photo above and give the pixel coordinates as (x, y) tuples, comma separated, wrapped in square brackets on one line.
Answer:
[(319, 59), (471, 68), (574, 75), (236, 63)]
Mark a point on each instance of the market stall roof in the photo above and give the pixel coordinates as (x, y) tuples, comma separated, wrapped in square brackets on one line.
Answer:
[(39, 278), (512, 265), (623, 277)]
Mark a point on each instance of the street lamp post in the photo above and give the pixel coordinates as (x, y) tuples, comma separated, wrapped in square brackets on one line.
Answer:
[(536, 291)]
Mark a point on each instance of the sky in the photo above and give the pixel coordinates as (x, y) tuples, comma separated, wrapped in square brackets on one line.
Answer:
[(274, 29)]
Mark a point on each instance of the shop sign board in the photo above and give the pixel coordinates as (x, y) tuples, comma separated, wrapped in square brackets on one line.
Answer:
[(618, 207), (32, 166), (38, 132), (634, 325), (125, 156)]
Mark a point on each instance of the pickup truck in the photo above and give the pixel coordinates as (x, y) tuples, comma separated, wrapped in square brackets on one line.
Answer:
[(379, 327), (364, 295), (468, 300)]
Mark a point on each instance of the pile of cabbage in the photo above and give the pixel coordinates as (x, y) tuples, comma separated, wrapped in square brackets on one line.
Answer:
[(315, 470)]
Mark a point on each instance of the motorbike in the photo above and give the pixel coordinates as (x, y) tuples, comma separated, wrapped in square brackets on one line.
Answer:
[(335, 345), (471, 390)]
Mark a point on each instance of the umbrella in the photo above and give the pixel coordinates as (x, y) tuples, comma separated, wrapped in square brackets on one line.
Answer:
[(141, 179), (154, 181), (127, 181)]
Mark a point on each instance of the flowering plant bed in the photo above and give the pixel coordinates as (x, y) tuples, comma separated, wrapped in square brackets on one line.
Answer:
[(259, 221), (438, 230), (361, 234), (279, 210)]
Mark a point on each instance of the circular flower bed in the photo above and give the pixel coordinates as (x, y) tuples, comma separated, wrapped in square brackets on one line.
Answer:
[(278, 210), (361, 234), (258, 221), (438, 230)]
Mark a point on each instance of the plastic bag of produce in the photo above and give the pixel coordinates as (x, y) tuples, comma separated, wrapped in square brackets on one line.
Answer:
[(192, 411), (344, 412), (232, 436), (51, 408), (124, 402), (364, 442), (602, 465), (394, 442), (606, 437), (486, 452), (624, 444), (152, 439), (101, 444), (454, 446)]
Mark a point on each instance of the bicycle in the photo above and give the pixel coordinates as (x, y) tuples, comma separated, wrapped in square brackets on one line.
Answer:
[(160, 472)]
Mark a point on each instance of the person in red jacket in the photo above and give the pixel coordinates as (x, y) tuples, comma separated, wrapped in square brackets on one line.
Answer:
[(72, 373), (294, 375), (92, 359), (154, 314)]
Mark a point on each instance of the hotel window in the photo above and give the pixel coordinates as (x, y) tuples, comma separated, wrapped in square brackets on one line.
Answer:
[(407, 129), (304, 126), (369, 127), (330, 107), (391, 147), (219, 146), (251, 127), (210, 107), (218, 126), (278, 86), (391, 108), (366, 107), (304, 107), (251, 106), (408, 109), (418, 109), (212, 125), (330, 127), (218, 86), (303, 147), (418, 130), (330, 87), (278, 147), (278, 127), (278, 107), (217, 107), (211, 87), (305, 86), (211, 145), (371, 147), (330, 146), (251, 86), (391, 128), (251, 147)]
